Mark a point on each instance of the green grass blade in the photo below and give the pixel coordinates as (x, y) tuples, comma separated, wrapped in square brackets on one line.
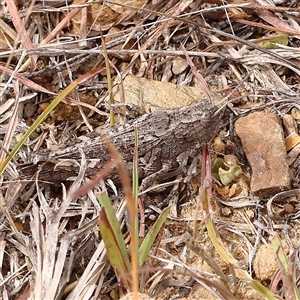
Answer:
[(150, 237), (113, 238), (263, 291), (289, 281)]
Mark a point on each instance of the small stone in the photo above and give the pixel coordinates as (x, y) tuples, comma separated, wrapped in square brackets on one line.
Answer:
[(30, 109), (262, 138), (289, 208), (226, 211), (265, 263), (218, 144), (152, 95), (296, 113), (179, 65), (286, 210)]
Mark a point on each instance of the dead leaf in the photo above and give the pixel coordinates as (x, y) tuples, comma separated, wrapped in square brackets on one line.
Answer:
[(226, 170)]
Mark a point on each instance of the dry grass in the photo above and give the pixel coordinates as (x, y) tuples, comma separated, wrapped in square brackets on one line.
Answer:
[(50, 246)]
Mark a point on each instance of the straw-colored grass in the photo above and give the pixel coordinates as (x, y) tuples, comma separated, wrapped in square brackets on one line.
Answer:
[(57, 63)]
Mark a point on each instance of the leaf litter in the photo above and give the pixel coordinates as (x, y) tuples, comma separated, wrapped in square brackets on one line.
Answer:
[(50, 243)]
